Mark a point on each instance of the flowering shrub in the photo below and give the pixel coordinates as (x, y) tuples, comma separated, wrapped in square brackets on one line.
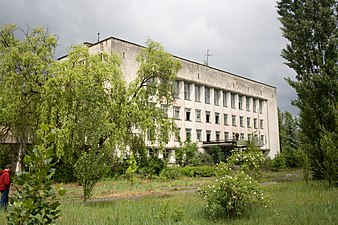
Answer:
[(236, 189), (232, 194), (249, 161)]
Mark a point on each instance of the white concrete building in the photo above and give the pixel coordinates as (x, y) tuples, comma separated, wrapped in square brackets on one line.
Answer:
[(211, 105)]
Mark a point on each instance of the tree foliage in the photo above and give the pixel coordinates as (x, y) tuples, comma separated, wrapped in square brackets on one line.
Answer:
[(35, 199), (95, 114), (330, 165), (25, 66), (289, 139), (151, 94), (310, 26), (187, 154)]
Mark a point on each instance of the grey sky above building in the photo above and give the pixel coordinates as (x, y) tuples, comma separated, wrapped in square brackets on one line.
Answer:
[(243, 36)]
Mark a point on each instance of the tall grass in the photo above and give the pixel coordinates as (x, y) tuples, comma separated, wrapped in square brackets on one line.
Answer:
[(289, 203)]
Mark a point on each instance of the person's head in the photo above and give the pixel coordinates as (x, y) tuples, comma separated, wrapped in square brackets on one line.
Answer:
[(8, 167)]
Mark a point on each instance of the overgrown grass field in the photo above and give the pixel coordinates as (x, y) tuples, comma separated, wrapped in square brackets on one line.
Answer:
[(176, 202)]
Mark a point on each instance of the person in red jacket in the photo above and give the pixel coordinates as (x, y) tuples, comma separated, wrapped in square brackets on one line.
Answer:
[(5, 183)]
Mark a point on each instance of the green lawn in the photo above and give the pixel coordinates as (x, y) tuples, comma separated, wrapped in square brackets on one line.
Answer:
[(175, 202)]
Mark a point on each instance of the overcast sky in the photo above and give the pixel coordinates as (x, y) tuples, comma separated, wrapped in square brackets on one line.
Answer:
[(243, 35)]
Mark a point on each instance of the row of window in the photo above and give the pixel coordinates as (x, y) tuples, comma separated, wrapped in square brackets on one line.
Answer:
[(217, 118), (226, 136), (219, 95)]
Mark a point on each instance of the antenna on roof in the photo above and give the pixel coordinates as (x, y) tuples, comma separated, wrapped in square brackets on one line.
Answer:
[(206, 62), (98, 37)]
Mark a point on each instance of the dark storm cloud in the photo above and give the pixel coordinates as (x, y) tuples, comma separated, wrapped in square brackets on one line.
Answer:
[(243, 35)]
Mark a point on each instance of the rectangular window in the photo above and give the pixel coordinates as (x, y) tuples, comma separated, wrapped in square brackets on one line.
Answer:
[(249, 137), (176, 89), (218, 134), (188, 134), (240, 102), (241, 121), (208, 135), (186, 91), (187, 114), (226, 136), (176, 112), (207, 95), (255, 123), (216, 118), (199, 135), (260, 106), (217, 96), (198, 115), (254, 105), (248, 122), (178, 134), (197, 93), (247, 103), (207, 117), (262, 140), (261, 124), (234, 120), (225, 99), (226, 120), (233, 100)]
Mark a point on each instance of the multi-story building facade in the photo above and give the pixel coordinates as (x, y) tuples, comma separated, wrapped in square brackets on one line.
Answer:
[(212, 106)]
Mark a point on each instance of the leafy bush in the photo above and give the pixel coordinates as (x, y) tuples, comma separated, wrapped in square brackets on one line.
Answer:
[(89, 169), (205, 159), (236, 188), (293, 158), (216, 154), (202, 171), (232, 195), (278, 162), (6, 155), (34, 201), (64, 172), (117, 167), (187, 154), (168, 212), (131, 170), (249, 161), (329, 145), (171, 173), (153, 166)]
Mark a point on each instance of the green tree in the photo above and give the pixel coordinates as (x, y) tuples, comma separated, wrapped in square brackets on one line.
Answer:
[(187, 154), (150, 95), (330, 166), (24, 68), (96, 114), (310, 26), (289, 138)]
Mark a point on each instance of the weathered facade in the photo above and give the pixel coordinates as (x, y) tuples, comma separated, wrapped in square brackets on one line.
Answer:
[(212, 106)]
